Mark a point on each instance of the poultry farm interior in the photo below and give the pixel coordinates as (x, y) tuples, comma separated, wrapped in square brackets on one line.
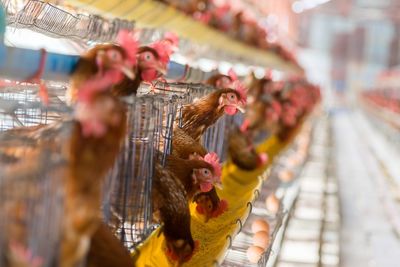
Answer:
[(190, 133)]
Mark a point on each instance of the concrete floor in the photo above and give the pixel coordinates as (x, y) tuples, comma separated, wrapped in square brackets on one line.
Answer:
[(367, 231)]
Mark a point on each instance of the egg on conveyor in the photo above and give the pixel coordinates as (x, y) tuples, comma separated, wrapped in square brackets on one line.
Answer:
[(285, 175), (272, 203), (259, 225), (261, 239), (254, 253)]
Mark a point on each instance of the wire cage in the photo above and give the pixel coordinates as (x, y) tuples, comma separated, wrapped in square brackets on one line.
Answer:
[(188, 92), (167, 105), (127, 206), (215, 136), (171, 97), (20, 105), (31, 211), (166, 110), (56, 22), (31, 187)]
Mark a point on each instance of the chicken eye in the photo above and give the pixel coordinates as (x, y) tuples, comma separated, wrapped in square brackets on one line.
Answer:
[(206, 172), (148, 56), (232, 97), (114, 55)]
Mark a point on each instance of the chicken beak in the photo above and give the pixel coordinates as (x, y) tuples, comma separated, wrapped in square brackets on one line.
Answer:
[(241, 107), (128, 71), (161, 68), (218, 185)]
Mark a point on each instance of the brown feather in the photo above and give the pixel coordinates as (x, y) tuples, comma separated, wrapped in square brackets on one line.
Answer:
[(197, 117), (169, 197), (107, 251), (184, 145), (183, 170)]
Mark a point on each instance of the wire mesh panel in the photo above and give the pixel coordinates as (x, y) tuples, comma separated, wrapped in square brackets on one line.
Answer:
[(127, 206), (20, 105), (168, 100), (56, 22), (31, 212), (166, 111), (215, 136)]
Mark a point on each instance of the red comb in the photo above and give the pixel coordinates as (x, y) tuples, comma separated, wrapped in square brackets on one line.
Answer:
[(232, 75), (170, 254), (172, 37), (130, 44), (277, 107), (220, 12), (163, 50), (245, 125), (199, 209), (213, 159), (262, 159), (222, 207), (268, 74), (239, 86)]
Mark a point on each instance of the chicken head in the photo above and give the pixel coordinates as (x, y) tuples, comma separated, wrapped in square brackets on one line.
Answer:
[(150, 65), (231, 102), (115, 58)]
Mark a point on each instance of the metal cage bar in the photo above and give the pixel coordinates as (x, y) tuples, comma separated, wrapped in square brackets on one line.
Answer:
[(20, 105), (128, 205), (59, 23)]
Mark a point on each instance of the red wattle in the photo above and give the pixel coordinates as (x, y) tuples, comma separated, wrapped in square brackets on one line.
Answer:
[(149, 75), (206, 187), (230, 110)]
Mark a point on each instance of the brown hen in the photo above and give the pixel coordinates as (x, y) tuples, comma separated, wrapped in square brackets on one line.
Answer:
[(170, 199), (198, 116)]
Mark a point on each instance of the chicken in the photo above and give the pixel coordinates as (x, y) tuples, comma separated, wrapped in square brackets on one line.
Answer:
[(107, 251), (184, 146), (219, 81), (196, 175), (170, 199), (152, 64), (87, 147), (83, 197), (104, 66), (149, 68), (138, 64), (264, 109), (197, 117), (210, 205), (242, 151), (78, 150)]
